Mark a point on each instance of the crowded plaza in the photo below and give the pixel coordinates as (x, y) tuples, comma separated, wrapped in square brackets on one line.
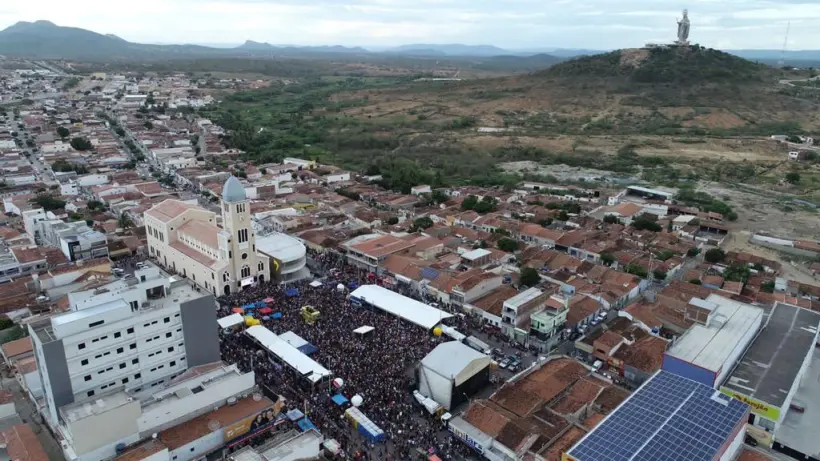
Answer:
[(376, 368)]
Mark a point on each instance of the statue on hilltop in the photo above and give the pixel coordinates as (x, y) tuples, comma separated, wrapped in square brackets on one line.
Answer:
[(683, 29)]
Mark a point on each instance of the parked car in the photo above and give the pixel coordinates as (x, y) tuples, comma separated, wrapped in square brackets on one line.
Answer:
[(504, 363), (497, 353), (515, 367), (750, 440)]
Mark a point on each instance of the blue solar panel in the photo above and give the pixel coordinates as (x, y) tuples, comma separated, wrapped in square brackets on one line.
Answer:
[(429, 273), (669, 418)]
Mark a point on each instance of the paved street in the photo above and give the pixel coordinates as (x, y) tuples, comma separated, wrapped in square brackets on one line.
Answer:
[(29, 415)]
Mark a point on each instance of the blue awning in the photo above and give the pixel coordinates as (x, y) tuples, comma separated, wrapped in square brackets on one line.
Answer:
[(339, 399)]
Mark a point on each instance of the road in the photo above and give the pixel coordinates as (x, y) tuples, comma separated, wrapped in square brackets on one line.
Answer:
[(29, 415)]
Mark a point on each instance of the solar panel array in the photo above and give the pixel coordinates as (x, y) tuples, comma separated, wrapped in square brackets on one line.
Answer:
[(429, 273), (669, 418)]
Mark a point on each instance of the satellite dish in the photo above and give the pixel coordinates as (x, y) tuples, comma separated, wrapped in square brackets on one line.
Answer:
[(257, 397), (154, 435), (214, 425)]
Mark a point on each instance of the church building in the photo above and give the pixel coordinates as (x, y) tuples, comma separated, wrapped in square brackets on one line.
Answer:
[(187, 240)]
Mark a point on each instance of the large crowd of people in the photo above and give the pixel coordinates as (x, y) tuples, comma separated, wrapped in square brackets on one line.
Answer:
[(378, 366)]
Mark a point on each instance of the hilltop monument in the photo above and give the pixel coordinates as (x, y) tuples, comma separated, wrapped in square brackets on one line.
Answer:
[(683, 29)]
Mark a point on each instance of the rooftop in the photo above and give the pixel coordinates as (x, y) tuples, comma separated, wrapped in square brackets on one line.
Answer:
[(76, 411), (281, 246), (771, 364), (451, 358), (476, 254), (669, 417), (22, 444), (710, 346), (200, 426), (204, 232), (169, 209), (799, 429)]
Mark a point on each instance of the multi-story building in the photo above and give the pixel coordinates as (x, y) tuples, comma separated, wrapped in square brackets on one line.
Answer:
[(186, 239), (287, 255), (515, 317), (130, 334)]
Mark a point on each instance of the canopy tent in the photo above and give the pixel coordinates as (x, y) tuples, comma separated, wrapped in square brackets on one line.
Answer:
[(268, 300), (305, 425), (276, 315), (401, 306), (298, 342), (230, 321), (265, 310), (363, 330), (295, 415), (290, 355), (339, 399), (238, 310), (249, 306), (315, 284), (291, 292), (353, 285)]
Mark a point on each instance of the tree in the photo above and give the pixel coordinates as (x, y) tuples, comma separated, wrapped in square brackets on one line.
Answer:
[(611, 219), (767, 286), (695, 282), (48, 202), (665, 254), (149, 125), (794, 139), (529, 277), (125, 221), (545, 222), (793, 177), (659, 274), (607, 258), (393, 221), (692, 252), (714, 255), (63, 132), (81, 144), (646, 221), (422, 223), (563, 216), (737, 272), (636, 269), (438, 196), (469, 202), (263, 171), (486, 205), (507, 244), (30, 142)]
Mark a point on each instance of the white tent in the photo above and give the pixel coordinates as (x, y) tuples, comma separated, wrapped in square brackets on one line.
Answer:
[(363, 330), (401, 306), (230, 321), (288, 354), (447, 367), (315, 284)]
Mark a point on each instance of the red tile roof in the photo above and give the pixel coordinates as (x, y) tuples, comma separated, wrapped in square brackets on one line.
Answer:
[(17, 347), (22, 444)]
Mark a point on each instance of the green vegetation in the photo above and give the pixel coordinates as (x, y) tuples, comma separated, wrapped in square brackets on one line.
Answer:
[(607, 258), (71, 83), (64, 166), (636, 269), (529, 277), (48, 202), (737, 272), (767, 286), (80, 143), (704, 202), (63, 132), (659, 274), (647, 221), (507, 244), (421, 223), (485, 205), (714, 255), (692, 252)]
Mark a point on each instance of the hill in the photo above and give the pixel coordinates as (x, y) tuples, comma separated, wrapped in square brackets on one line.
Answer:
[(255, 46), (453, 49)]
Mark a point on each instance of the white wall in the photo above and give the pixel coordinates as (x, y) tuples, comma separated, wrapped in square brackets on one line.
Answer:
[(200, 447), (110, 427), (435, 386), (738, 350)]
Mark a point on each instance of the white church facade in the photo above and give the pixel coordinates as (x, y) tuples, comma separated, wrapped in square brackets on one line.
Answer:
[(186, 239)]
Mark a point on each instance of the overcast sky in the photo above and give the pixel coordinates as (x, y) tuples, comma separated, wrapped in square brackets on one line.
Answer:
[(513, 24)]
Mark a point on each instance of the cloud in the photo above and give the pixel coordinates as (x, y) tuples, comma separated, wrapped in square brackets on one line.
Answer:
[(513, 24)]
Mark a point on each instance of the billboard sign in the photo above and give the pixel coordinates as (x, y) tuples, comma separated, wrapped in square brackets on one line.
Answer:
[(759, 408), (254, 423)]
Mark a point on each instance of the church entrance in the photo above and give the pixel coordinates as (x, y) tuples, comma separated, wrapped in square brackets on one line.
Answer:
[(227, 289)]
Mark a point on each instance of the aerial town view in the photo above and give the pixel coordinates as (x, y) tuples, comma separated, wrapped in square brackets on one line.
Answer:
[(267, 230)]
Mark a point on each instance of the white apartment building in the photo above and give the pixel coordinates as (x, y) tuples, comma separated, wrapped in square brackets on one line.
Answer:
[(131, 334), (186, 239)]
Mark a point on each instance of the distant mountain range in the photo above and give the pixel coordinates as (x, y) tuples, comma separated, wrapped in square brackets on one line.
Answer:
[(46, 40)]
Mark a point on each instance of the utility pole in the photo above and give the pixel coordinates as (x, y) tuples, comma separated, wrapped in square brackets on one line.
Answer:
[(782, 61)]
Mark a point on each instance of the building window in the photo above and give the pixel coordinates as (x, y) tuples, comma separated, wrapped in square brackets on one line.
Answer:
[(125, 380), (138, 376), (90, 393), (81, 346), (133, 346), (87, 377), (84, 362), (244, 256), (242, 235), (261, 266), (117, 334), (167, 320), (130, 331), (96, 324), (168, 335), (213, 277), (171, 349), (226, 277), (122, 365), (246, 271), (119, 350), (135, 361), (173, 363)]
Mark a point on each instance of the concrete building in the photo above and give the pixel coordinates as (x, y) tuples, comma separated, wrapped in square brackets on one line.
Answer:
[(287, 256), (515, 318), (709, 350), (452, 372), (769, 373), (289, 446), (186, 239), (130, 334)]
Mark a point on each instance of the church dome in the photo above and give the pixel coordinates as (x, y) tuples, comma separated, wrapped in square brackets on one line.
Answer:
[(233, 191)]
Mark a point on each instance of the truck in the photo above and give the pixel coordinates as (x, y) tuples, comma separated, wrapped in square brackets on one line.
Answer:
[(429, 404), (478, 345)]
